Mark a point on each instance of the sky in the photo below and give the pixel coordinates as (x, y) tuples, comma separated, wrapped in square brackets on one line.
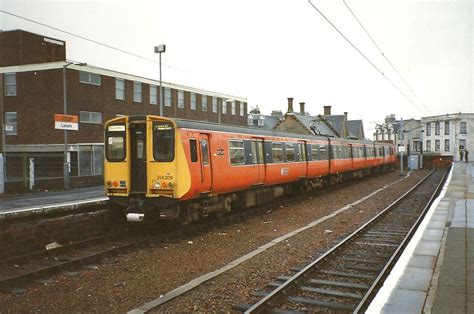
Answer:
[(269, 50)]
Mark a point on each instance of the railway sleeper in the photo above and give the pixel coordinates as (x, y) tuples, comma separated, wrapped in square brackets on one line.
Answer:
[(331, 292), (323, 304), (364, 261), (343, 284), (346, 274)]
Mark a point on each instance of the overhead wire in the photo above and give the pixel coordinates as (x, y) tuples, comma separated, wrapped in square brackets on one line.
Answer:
[(365, 57), (385, 56), (88, 39)]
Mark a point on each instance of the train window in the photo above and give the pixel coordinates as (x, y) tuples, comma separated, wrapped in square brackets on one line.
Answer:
[(253, 146), (140, 151), (335, 152), (277, 152), (323, 152), (204, 152), (315, 152), (115, 142), (236, 152), (163, 141), (193, 149), (290, 151), (260, 152), (302, 147)]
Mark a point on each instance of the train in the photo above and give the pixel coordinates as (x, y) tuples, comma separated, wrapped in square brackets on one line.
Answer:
[(161, 168)]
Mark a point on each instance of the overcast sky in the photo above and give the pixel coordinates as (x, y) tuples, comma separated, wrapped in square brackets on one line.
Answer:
[(268, 50)]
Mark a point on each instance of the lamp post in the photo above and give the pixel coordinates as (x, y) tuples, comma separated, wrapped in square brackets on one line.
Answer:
[(159, 50), (402, 147), (66, 162), (422, 131)]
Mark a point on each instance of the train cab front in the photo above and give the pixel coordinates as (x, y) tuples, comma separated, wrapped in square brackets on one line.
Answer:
[(140, 166)]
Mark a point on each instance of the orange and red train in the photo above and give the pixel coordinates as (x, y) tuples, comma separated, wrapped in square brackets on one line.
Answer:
[(165, 168)]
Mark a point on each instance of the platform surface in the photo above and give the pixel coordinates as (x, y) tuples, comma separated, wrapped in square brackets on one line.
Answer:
[(435, 274), (41, 202)]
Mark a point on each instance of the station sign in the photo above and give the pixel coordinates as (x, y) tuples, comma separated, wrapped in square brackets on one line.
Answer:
[(66, 122)]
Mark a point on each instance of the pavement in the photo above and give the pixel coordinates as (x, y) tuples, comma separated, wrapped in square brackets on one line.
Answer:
[(47, 202), (435, 273)]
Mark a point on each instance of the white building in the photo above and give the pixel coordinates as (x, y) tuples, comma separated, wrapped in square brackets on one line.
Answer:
[(389, 131), (446, 135)]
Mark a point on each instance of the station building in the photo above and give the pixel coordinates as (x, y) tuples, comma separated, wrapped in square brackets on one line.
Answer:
[(446, 135), (433, 137), (37, 80)]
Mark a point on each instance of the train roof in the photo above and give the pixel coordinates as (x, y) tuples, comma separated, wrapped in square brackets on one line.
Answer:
[(210, 126), (250, 130)]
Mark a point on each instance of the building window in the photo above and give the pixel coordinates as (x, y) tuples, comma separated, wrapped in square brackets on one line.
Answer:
[(233, 109), (463, 129), (437, 145), (91, 117), (428, 129), (11, 123), (437, 128), (462, 144), (91, 160), (180, 99), (214, 104), (119, 89), (89, 78), (224, 107), (242, 109), (204, 102), (428, 146), (137, 92), (447, 148), (10, 84), (416, 146), (168, 97), (446, 127), (153, 95), (193, 101)]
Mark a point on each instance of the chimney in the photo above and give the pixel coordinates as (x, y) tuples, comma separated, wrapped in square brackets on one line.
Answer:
[(290, 104), (302, 107), (327, 110)]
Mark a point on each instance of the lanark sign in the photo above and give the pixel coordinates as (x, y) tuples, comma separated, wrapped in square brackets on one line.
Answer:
[(66, 122)]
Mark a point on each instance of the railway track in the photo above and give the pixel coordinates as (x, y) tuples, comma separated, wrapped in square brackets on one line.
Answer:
[(348, 276), (38, 266)]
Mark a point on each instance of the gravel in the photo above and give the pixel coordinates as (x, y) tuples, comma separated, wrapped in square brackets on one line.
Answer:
[(132, 279)]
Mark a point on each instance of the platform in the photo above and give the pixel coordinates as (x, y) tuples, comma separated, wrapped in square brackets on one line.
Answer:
[(435, 273), (48, 202)]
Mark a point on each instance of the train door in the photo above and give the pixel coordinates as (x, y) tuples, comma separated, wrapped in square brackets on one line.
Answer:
[(206, 170), (258, 151), (303, 157), (138, 157)]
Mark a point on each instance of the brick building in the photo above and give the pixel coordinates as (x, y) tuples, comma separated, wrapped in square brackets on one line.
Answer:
[(32, 68), (325, 125)]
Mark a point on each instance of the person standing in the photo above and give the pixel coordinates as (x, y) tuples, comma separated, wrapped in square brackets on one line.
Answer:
[(461, 155), (466, 155)]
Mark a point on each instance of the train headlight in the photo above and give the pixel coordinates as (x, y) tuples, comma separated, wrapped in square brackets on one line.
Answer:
[(157, 185)]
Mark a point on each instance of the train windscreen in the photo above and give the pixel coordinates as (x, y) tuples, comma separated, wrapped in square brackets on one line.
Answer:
[(115, 142), (163, 141)]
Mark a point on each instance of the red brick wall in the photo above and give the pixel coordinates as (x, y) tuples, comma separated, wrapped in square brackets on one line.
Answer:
[(20, 47), (40, 96)]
